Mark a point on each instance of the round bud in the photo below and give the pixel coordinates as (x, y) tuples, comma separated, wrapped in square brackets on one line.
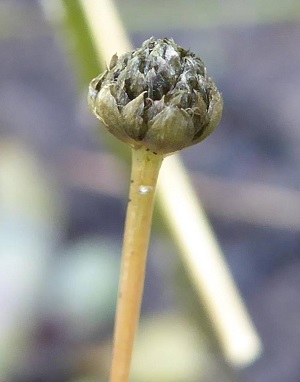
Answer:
[(158, 96)]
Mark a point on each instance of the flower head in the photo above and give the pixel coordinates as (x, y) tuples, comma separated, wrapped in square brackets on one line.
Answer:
[(158, 96)]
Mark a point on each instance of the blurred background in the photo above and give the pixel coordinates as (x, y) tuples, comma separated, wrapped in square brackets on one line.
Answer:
[(63, 195)]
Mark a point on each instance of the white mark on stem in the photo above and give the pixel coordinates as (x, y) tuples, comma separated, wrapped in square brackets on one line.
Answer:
[(144, 190)]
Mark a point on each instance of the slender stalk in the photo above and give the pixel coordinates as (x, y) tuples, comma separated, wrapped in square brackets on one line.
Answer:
[(144, 174)]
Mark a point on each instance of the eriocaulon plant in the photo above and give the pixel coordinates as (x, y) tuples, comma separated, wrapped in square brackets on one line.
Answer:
[(159, 100)]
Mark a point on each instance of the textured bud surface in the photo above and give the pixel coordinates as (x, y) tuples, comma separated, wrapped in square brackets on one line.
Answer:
[(158, 96)]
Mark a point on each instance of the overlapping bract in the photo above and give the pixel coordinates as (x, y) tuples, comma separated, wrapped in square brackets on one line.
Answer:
[(158, 96)]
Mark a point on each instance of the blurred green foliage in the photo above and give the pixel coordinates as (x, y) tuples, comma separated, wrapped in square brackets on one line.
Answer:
[(82, 44)]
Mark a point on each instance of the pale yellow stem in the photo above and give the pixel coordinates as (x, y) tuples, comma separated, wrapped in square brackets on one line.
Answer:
[(144, 173)]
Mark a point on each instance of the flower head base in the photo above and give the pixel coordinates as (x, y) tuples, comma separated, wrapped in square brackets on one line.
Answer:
[(158, 96)]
